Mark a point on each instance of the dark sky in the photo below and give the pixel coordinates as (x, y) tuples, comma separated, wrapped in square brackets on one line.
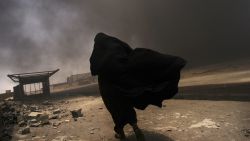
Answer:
[(40, 35)]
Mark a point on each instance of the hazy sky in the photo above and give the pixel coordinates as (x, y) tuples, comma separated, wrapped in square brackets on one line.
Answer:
[(40, 35)]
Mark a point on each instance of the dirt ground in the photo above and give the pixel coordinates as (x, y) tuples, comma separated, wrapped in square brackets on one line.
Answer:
[(178, 120), (213, 105)]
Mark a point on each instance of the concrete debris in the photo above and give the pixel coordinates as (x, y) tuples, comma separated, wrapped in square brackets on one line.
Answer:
[(43, 119), (22, 124), (34, 108), (35, 124), (57, 111), (56, 116), (34, 115), (28, 116), (33, 121), (24, 131)]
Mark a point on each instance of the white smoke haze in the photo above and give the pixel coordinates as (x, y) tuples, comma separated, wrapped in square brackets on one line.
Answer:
[(37, 35)]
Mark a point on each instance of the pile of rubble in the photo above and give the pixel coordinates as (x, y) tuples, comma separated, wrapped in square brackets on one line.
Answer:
[(26, 116)]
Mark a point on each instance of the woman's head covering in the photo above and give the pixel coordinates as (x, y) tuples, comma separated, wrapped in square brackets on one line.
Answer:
[(106, 49)]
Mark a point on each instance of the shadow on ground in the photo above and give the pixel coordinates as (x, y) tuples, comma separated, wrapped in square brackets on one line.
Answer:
[(150, 136)]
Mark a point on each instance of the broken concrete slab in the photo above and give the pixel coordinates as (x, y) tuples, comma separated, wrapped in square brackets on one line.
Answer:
[(34, 115), (43, 118)]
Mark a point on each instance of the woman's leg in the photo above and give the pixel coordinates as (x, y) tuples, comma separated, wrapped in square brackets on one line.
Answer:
[(133, 122), (119, 132), (138, 133)]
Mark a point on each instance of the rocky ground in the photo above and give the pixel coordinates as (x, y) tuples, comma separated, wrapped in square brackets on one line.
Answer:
[(213, 105), (178, 120)]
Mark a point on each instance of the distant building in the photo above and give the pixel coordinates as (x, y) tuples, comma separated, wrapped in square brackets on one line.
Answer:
[(81, 79)]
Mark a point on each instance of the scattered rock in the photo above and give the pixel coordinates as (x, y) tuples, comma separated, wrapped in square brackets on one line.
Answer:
[(24, 131), (22, 123), (57, 111), (56, 116), (33, 121), (35, 124), (76, 113), (43, 118), (246, 132), (64, 115), (34, 108), (56, 124), (34, 115)]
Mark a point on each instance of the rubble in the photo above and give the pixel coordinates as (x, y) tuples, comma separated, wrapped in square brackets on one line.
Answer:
[(27, 116), (54, 116), (34, 108), (56, 124), (22, 123), (34, 115), (43, 119), (24, 131), (57, 111)]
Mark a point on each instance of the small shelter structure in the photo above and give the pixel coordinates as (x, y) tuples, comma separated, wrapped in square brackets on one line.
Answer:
[(32, 84)]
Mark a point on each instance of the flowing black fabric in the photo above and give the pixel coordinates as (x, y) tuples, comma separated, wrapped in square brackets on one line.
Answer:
[(131, 78)]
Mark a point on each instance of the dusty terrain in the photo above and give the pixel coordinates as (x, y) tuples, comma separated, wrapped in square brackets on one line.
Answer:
[(213, 105), (182, 120)]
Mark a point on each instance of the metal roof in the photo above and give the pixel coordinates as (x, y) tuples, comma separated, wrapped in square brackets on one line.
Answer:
[(31, 77)]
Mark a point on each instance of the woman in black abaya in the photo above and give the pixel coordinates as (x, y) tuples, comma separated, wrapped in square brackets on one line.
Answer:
[(132, 78)]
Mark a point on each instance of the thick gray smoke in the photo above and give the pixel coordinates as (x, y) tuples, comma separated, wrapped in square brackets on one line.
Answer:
[(40, 35)]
